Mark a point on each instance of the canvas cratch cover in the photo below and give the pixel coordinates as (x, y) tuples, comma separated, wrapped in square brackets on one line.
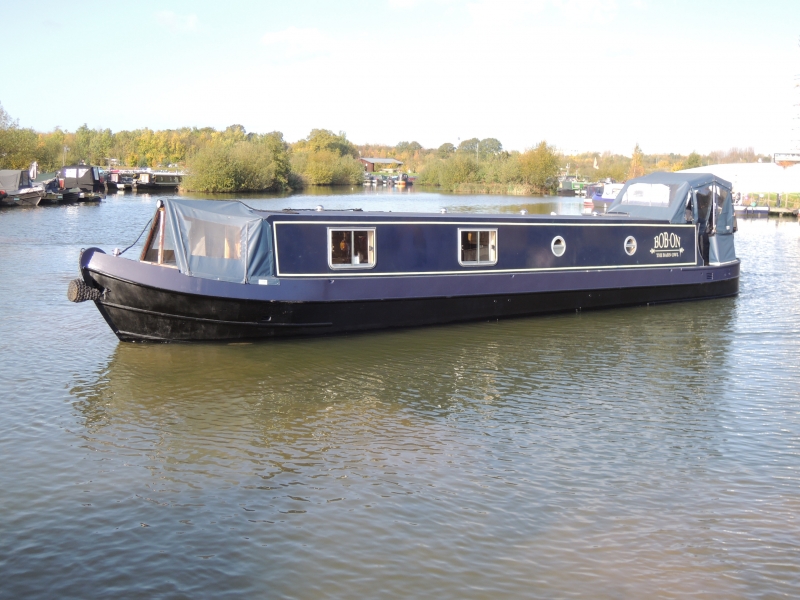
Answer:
[(700, 198), (227, 241), (13, 180)]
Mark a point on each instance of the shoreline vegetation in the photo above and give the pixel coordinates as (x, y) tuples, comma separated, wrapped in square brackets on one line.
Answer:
[(233, 160)]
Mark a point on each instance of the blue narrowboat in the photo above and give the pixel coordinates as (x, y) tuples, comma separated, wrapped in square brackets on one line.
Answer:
[(224, 271)]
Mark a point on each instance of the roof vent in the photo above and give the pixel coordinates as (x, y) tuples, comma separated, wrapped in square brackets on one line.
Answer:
[(523, 212), (552, 214), (319, 208), (443, 211)]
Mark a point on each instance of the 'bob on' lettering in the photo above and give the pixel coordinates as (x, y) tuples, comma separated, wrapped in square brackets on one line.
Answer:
[(666, 241)]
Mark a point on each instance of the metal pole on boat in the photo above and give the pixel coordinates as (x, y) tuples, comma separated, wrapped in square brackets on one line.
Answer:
[(161, 221)]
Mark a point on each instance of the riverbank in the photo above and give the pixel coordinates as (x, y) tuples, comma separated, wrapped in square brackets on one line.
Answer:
[(498, 189)]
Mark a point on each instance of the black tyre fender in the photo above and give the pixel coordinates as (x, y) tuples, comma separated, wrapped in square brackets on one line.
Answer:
[(79, 291)]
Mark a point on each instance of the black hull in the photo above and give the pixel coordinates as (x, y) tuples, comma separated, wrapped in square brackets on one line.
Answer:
[(154, 187), (70, 197), (137, 312)]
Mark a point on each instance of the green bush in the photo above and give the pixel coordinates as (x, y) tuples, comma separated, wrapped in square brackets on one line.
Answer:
[(539, 166), (430, 172), (529, 172), (349, 171), (326, 167), (245, 166), (450, 172)]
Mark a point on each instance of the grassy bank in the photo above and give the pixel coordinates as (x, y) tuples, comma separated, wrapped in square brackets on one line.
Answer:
[(503, 189)]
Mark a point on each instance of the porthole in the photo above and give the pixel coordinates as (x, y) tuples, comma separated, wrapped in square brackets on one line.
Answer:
[(630, 245), (558, 245)]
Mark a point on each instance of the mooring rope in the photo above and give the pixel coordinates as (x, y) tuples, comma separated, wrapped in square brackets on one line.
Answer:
[(137, 239)]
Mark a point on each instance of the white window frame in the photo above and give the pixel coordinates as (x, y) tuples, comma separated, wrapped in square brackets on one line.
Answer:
[(478, 262), (360, 266)]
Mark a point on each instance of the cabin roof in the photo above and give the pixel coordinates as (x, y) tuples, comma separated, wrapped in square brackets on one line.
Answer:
[(223, 210), (694, 179), (382, 161), (358, 215)]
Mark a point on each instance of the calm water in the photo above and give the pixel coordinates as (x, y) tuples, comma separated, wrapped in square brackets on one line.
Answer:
[(624, 453)]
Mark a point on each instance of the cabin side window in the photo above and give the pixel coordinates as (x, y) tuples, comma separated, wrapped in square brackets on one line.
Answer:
[(351, 248), (477, 247)]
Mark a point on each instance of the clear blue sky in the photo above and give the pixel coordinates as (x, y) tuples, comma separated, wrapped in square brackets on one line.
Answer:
[(672, 75)]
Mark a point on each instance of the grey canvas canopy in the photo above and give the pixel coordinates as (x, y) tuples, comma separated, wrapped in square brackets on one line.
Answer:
[(662, 196), (13, 180), (227, 241), (700, 198)]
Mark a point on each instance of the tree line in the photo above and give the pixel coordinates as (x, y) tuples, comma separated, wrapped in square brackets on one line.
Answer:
[(235, 160)]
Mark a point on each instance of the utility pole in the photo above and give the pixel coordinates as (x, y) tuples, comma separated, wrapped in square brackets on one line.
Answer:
[(64, 160), (796, 124)]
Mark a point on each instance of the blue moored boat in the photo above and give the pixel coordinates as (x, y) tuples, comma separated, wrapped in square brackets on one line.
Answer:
[(224, 271), (603, 193)]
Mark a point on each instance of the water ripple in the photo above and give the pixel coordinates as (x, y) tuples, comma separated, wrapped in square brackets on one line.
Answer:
[(611, 454)]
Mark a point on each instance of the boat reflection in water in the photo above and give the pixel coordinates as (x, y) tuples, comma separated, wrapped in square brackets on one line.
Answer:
[(260, 394), (225, 271), (467, 437)]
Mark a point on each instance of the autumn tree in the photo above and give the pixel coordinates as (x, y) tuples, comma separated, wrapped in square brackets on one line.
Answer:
[(636, 168)]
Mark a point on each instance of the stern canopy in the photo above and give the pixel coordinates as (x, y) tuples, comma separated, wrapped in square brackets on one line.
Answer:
[(700, 198), (665, 196), (227, 241), (85, 177)]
